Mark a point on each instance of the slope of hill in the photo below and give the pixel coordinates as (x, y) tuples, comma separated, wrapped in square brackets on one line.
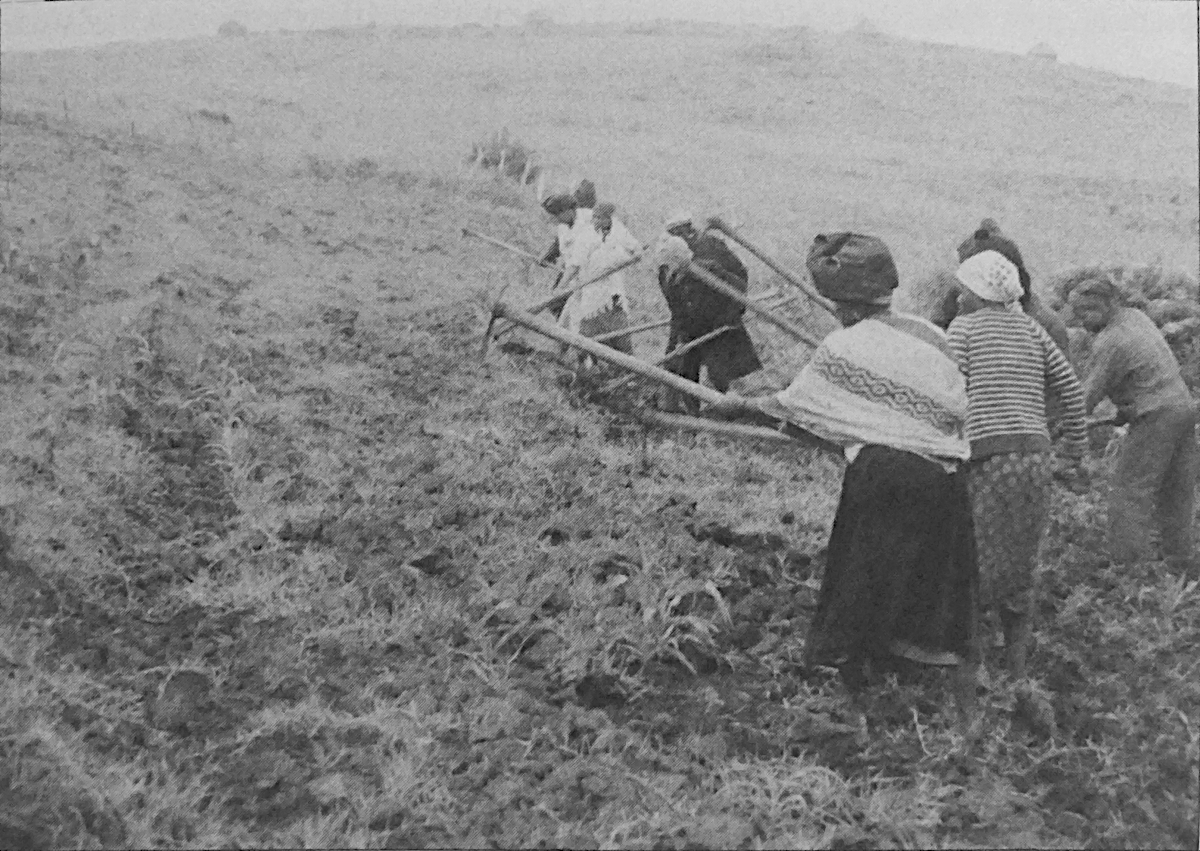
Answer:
[(793, 134), (290, 566)]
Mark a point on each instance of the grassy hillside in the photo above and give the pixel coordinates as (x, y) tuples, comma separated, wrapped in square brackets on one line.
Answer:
[(290, 566), (791, 132)]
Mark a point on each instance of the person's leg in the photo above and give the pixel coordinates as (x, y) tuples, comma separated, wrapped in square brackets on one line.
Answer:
[(1140, 468), (1176, 495), (687, 366)]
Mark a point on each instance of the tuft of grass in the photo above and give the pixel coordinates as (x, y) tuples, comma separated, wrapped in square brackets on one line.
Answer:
[(507, 157)]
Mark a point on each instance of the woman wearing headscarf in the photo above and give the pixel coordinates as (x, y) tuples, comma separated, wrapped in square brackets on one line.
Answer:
[(988, 237), (900, 575), (560, 208), (603, 306), (1009, 362)]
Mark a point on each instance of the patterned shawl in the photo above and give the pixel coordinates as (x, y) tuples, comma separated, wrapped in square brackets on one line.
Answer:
[(889, 380)]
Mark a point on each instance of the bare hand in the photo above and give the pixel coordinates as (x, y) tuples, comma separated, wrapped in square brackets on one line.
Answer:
[(730, 405)]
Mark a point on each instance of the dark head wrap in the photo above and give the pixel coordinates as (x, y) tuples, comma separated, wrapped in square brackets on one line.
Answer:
[(987, 237), (603, 213), (585, 194), (851, 267), (556, 204)]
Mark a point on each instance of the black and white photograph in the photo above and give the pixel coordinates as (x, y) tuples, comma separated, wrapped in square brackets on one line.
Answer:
[(694, 424)]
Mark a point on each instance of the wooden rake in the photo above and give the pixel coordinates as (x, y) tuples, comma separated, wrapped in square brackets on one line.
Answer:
[(815, 297), (783, 432)]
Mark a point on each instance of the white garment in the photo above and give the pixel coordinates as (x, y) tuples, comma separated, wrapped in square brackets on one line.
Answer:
[(567, 235), (594, 254), (875, 382)]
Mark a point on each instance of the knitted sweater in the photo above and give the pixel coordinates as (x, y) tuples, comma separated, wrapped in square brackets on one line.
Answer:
[(1010, 362), (1132, 364)]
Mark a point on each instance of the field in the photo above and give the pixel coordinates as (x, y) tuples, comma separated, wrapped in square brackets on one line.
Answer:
[(290, 565)]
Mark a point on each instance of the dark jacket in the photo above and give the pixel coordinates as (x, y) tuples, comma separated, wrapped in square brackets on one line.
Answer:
[(695, 307)]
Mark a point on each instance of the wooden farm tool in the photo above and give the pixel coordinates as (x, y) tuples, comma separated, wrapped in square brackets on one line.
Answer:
[(554, 301), (729, 230), (635, 329), (507, 246), (711, 280), (605, 353), (668, 357), (735, 430), (785, 429), (763, 298)]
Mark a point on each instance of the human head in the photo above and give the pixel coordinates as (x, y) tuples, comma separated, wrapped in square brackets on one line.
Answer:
[(680, 225), (990, 277), (854, 271), (987, 237), (585, 194), (1094, 302), (602, 217), (560, 207)]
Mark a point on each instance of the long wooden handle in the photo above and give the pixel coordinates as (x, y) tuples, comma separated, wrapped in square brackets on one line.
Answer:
[(604, 353), (566, 294), (806, 288), (520, 252), (633, 329), (668, 357), (788, 431), (560, 298), (712, 281), (734, 430)]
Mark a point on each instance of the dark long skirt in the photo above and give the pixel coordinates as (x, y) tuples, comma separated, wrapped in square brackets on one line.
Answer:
[(901, 577), (728, 357)]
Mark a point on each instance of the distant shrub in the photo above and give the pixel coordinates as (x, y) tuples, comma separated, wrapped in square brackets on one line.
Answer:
[(319, 167), (213, 115), (1139, 285), (508, 157), (403, 180), (362, 168), (231, 29)]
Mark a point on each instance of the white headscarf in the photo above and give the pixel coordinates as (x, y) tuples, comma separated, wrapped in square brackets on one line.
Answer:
[(991, 276)]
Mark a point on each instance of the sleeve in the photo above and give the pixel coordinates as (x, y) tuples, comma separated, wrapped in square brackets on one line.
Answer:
[(956, 337), (1064, 384), (552, 253), (1103, 368), (626, 239)]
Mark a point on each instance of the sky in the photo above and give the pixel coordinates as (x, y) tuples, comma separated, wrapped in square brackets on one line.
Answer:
[(1154, 39)]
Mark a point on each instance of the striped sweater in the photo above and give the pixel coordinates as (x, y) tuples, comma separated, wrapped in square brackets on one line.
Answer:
[(1010, 363)]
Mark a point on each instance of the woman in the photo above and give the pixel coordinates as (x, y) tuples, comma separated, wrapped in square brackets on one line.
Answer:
[(1009, 361), (988, 237), (560, 208), (603, 306), (900, 576)]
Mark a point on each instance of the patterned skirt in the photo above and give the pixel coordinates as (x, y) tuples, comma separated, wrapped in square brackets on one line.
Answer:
[(900, 576), (1010, 498)]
